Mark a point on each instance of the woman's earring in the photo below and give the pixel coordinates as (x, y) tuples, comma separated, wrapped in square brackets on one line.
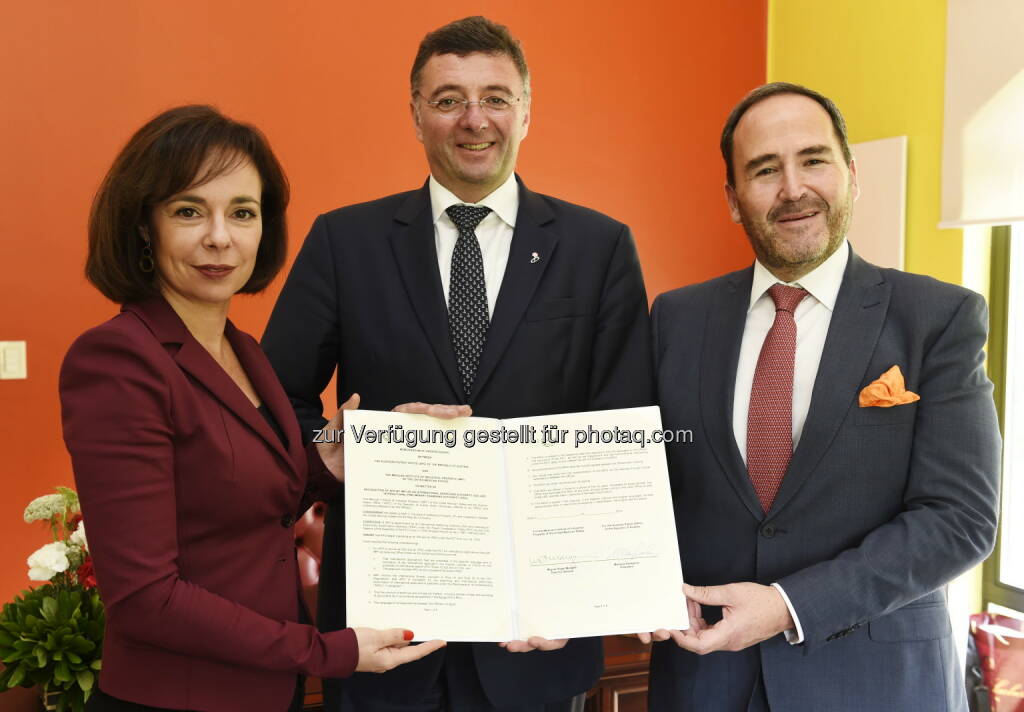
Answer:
[(146, 263)]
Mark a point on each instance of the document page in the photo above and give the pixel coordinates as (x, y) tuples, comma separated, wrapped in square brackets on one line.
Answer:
[(483, 530), (426, 544), (594, 531)]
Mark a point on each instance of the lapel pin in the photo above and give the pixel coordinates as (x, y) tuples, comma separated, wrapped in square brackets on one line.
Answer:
[(535, 258)]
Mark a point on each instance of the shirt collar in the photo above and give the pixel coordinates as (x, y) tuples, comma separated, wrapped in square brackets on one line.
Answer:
[(503, 200), (822, 282)]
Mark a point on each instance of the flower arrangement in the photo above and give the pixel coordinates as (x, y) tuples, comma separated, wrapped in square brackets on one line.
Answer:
[(52, 635)]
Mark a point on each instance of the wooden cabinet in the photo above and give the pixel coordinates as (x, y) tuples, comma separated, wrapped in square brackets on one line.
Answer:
[(623, 687)]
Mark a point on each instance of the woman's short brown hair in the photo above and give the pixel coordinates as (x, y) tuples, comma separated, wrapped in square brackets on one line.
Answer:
[(162, 159)]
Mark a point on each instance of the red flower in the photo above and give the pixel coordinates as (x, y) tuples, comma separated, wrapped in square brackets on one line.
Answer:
[(86, 575)]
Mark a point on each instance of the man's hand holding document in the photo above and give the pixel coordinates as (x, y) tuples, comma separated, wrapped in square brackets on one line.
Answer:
[(475, 529)]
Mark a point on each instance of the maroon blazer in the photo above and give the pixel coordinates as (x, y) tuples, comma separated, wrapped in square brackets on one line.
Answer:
[(189, 498)]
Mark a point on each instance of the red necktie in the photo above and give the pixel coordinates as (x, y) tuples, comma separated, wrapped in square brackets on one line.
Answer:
[(770, 418)]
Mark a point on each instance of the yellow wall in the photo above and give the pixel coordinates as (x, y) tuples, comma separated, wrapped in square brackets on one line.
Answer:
[(883, 63)]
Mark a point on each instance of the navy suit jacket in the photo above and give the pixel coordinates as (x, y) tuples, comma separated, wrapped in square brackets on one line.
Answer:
[(190, 497), (570, 332), (880, 507)]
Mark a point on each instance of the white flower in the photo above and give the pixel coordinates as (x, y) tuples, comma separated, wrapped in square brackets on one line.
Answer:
[(45, 507), (48, 561), (78, 537)]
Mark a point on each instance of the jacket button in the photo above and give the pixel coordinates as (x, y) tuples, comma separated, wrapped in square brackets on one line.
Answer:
[(287, 521), (768, 531)]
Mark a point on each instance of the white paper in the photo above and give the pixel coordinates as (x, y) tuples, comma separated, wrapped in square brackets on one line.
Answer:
[(457, 537), (594, 536)]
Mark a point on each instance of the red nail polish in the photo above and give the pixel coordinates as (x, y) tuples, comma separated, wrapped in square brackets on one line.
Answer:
[(407, 635)]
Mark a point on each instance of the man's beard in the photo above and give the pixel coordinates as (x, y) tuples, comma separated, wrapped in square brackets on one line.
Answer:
[(781, 254)]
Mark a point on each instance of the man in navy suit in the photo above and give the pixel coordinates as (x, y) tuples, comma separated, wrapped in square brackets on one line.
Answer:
[(848, 468), (472, 290)]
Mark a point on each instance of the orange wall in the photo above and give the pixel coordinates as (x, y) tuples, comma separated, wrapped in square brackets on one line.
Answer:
[(628, 101)]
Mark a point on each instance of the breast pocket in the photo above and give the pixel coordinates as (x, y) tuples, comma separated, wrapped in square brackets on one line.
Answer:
[(556, 309), (875, 416)]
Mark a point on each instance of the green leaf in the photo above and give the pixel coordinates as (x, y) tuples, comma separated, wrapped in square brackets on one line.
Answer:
[(61, 672), (74, 606), (63, 607), (41, 656), (96, 664), (6, 638), (70, 497), (85, 679), (81, 644), (16, 677), (73, 657), (49, 609)]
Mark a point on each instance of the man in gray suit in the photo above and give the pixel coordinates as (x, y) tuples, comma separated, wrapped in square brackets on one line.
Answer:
[(848, 468)]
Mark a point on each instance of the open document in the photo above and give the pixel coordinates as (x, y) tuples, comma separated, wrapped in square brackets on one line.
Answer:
[(478, 529)]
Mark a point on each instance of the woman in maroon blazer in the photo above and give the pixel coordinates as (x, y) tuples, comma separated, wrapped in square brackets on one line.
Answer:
[(186, 451)]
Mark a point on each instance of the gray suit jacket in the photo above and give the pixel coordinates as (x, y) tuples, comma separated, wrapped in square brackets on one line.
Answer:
[(880, 507)]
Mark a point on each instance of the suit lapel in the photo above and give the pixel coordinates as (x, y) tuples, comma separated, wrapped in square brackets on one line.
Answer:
[(522, 275), (265, 381), (168, 328), (727, 318), (412, 242), (861, 307)]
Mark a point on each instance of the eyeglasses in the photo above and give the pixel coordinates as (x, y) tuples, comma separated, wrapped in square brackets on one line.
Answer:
[(453, 106)]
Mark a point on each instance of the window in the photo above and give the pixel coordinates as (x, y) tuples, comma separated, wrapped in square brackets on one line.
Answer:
[(1004, 585)]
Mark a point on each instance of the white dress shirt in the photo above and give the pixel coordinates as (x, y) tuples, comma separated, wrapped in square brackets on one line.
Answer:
[(813, 316), (494, 233)]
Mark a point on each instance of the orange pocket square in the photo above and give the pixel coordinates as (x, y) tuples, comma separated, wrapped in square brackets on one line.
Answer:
[(887, 391)]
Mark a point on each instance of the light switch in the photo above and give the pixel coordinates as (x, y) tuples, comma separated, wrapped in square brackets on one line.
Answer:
[(12, 360)]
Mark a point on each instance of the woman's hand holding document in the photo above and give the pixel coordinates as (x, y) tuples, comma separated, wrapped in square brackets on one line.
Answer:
[(530, 530)]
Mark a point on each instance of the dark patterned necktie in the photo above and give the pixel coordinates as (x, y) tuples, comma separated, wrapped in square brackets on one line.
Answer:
[(770, 418), (467, 294)]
